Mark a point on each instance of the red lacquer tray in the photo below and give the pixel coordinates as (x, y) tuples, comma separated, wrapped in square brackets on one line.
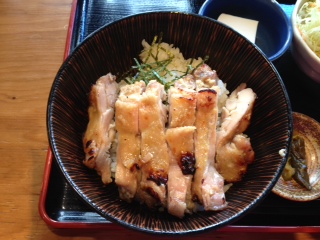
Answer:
[(61, 207)]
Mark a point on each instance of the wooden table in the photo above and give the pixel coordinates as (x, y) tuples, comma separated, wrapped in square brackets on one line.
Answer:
[(32, 41)]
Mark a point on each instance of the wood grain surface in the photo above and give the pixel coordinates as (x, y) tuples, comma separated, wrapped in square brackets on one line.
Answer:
[(32, 42)]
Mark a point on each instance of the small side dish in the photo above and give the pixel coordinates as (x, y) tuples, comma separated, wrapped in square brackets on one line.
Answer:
[(170, 135), (302, 182)]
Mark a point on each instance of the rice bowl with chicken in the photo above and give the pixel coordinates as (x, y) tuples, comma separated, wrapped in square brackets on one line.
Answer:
[(109, 54), (169, 135)]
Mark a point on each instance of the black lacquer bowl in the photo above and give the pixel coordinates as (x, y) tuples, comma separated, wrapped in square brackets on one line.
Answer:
[(112, 49)]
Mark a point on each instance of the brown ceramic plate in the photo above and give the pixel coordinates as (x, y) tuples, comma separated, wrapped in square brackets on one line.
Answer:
[(309, 130), (113, 49)]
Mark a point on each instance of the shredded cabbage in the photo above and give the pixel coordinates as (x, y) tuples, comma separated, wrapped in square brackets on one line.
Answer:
[(308, 21)]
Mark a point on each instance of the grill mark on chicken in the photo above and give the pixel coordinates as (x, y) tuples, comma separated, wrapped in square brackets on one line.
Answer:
[(153, 194), (159, 177), (100, 132), (88, 144), (134, 167), (129, 141), (187, 163)]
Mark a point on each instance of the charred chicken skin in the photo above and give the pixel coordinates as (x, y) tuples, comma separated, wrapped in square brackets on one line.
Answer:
[(100, 129)]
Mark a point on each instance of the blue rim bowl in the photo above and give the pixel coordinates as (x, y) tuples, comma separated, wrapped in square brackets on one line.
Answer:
[(274, 33)]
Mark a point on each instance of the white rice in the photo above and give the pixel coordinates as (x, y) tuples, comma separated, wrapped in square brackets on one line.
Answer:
[(177, 67)]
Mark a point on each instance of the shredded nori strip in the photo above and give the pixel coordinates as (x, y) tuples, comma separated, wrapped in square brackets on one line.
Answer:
[(155, 70)]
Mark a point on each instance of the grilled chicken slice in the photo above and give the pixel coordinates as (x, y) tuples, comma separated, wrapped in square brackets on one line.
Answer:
[(234, 158), (181, 170), (205, 77), (100, 130), (128, 149), (236, 114), (233, 148), (182, 107), (180, 138), (208, 184), (154, 150)]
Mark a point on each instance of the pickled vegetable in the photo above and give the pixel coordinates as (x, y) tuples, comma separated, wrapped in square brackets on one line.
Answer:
[(288, 171), (296, 167)]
